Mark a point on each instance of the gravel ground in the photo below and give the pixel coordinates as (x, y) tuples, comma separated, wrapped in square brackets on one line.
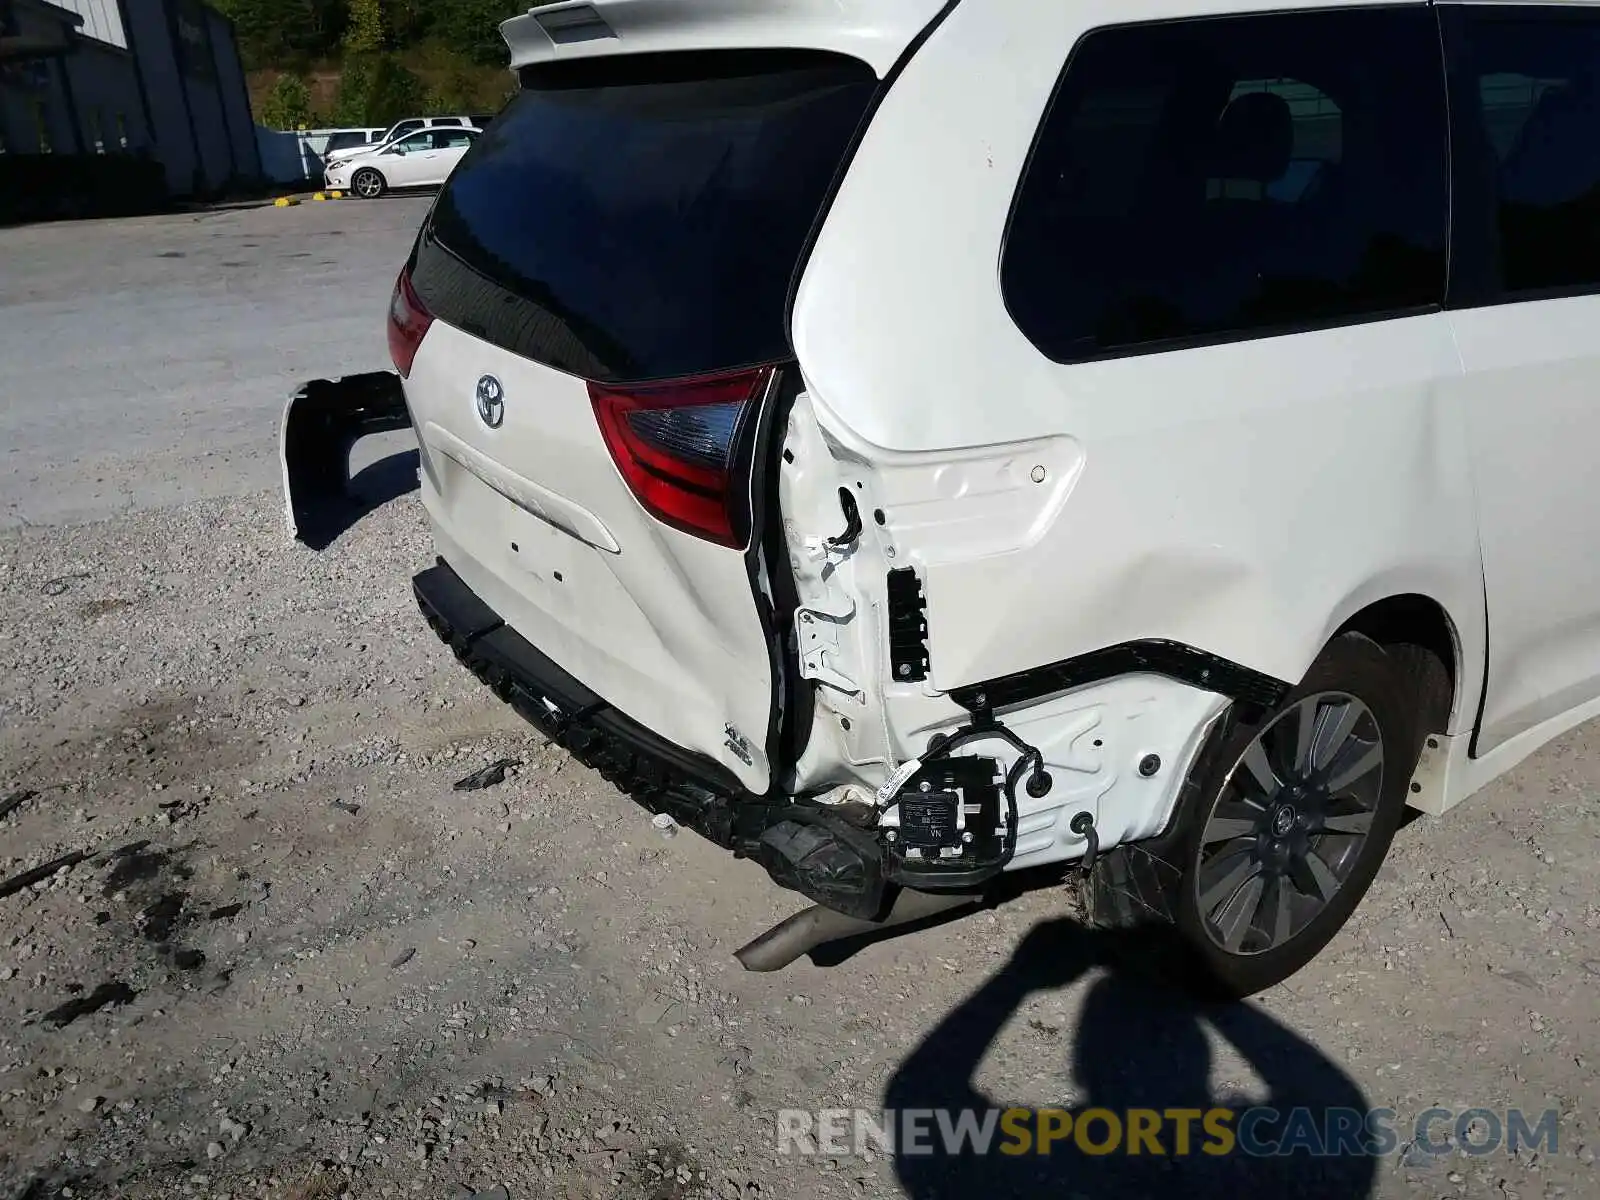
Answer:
[(297, 963)]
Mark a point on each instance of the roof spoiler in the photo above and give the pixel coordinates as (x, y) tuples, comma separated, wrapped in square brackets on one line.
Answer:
[(875, 31)]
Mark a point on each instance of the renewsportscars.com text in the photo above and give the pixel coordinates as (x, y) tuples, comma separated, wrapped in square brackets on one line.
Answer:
[(1256, 1132)]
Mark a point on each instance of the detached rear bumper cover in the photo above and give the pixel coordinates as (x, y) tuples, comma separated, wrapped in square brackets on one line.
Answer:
[(659, 775), (321, 422)]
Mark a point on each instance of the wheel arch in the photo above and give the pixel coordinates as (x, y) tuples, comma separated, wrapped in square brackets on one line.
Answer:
[(1419, 620)]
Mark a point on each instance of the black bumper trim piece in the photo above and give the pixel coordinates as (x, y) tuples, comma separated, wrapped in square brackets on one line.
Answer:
[(1172, 659), (805, 849), (661, 776), (441, 593)]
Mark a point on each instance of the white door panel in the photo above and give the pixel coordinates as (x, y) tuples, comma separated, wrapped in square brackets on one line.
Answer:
[(421, 167), (441, 163), (428, 170), (408, 166), (397, 169), (448, 160), (1531, 397), (1531, 381)]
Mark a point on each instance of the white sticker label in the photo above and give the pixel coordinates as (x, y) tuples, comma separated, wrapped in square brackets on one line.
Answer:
[(892, 787)]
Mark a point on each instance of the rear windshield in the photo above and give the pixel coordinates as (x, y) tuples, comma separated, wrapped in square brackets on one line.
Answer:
[(640, 218)]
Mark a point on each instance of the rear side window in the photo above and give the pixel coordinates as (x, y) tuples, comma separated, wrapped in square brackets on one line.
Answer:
[(343, 141), (640, 218), (1226, 177), (1536, 76)]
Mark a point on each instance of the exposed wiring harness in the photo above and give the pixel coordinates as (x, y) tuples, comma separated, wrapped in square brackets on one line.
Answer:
[(1029, 762)]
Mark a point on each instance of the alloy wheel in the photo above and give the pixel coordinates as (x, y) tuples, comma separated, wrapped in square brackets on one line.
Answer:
[(367, 184), (1289, 823)]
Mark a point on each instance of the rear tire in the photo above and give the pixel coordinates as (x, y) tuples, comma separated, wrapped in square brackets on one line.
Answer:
[(368, 183), (1281, 828)]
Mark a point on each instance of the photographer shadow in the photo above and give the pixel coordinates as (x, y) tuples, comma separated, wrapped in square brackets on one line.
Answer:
[(1138, 1045)]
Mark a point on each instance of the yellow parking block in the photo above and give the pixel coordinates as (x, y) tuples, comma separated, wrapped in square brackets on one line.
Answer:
[(285, 202), (335, 195)]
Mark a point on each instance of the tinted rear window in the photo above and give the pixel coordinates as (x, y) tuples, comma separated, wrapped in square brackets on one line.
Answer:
[(641, 218)]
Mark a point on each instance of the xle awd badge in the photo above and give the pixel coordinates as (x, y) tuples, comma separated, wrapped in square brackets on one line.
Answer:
[(491, 401)]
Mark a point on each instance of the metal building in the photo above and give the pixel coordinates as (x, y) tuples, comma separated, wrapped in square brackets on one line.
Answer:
[(156, 78)]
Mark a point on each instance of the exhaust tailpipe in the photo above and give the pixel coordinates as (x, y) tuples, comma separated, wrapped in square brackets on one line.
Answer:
[(816, 926)]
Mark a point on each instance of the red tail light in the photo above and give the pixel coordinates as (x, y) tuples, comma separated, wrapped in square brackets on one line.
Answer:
[(674, 444), (408, 322)]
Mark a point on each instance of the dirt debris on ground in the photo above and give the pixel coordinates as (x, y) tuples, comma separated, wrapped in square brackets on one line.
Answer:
[(243, 990), (265, 948)]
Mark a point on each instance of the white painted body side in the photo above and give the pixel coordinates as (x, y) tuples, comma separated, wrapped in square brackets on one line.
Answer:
[(1246, 499), (1531, 377), (1093, 741), (1242, 498), (967, 505)]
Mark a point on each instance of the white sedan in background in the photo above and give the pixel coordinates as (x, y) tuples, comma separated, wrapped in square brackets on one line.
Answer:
[(421, 159)]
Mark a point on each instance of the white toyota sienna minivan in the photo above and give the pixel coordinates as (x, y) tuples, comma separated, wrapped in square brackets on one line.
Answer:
[(910, 442)]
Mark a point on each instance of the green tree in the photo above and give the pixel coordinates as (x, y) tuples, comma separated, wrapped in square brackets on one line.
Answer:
[(457, 92), (355, 82), (365, 33), (396, 93), (407, 22), (283, 33), (375, 89), (288, 105), (472, 27)]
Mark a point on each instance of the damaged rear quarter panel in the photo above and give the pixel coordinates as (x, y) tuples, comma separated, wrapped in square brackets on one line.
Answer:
[(1243, 498), (1224, 498), (1233, 500)]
